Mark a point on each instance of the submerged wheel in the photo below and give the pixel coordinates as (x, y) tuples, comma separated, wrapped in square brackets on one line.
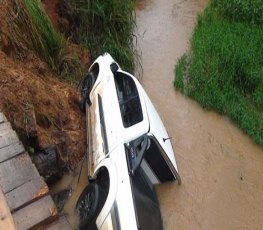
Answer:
[(87, 206)]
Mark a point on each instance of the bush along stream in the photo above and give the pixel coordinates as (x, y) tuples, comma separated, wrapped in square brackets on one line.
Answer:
[(223, 70)]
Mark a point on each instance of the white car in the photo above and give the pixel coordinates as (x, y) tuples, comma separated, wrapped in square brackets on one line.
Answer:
[(129, 151)]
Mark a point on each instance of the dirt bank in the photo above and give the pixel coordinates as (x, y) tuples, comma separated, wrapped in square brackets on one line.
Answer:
[(221, 168), (41, 108), (29, 89)]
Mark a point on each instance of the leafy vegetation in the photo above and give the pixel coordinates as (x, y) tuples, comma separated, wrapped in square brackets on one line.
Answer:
[(30, 27), (107, 26), (224, 69)]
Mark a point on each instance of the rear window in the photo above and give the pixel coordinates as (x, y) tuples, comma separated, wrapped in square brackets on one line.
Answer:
[(129, 101)]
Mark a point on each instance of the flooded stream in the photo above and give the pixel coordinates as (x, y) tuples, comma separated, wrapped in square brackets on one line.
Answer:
[(221, 168)]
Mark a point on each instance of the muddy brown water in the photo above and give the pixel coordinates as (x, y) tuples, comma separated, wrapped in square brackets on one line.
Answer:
[(74, 181), (221, 168)]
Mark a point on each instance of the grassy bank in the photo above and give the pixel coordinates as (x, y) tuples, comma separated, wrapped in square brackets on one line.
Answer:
[(224, 69), (107, 26), (99, 25), (31, 28)]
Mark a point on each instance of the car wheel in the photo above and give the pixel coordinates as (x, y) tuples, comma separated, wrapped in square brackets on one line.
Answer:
[(87, 206)]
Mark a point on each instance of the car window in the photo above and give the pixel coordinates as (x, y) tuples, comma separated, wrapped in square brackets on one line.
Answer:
[(102, 125), (154, 157), (129, 101)]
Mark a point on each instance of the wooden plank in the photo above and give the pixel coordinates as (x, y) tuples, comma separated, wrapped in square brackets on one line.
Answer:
[(60, 224), (26, 193), (2, 118), (7, 137), (17, 171), (6, 219), (35, 214), (5, 126), (11, 151)]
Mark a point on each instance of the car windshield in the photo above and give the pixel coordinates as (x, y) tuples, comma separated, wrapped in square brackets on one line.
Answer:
[(129, 101)]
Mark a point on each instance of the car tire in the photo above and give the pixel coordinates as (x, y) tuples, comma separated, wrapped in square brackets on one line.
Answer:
[(87, 206)]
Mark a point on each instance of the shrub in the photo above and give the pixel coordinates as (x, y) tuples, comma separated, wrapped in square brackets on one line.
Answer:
[(224, 69)]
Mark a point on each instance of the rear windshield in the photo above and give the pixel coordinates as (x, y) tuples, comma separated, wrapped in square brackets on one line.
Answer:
[(129, 101)]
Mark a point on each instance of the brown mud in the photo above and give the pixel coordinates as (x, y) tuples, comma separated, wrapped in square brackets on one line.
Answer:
[(221, 168)]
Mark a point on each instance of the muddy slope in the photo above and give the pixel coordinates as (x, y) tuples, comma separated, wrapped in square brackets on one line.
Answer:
[(221, 168), (41, 108)]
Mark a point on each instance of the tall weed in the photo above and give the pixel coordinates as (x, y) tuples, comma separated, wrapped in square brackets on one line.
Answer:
[(107, 26), (30, 27), (250, 11)]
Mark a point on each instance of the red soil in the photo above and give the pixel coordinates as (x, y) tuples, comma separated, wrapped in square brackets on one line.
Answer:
[(30, 91)]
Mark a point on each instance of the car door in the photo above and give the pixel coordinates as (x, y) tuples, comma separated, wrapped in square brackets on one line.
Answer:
[(144, 196), (159, 159)]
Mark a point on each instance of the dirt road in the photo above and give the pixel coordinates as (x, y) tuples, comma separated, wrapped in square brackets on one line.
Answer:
[(221, 168)]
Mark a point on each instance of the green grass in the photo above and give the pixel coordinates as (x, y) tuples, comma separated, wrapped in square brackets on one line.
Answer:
[(31, 28), (44, 39), (107, 26), (224, 69), (250, 11)]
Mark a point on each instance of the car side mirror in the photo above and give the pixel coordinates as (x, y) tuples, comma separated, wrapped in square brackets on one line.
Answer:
[(114, 68), (135, 151)]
